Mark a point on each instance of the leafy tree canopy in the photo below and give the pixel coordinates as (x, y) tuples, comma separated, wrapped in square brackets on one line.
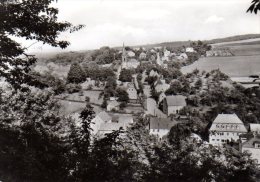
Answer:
[(32, 20)]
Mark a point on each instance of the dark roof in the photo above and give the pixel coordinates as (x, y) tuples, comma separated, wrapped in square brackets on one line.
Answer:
[(250, 143), (161, 123), (176, 100)]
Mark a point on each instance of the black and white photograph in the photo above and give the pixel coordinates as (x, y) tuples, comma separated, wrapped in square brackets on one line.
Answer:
[(129, 90)]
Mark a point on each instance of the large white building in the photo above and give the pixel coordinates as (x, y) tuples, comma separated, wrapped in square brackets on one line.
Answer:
[(226, 128)]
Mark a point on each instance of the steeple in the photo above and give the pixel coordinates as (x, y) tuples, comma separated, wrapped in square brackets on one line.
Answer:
[(123, 57)]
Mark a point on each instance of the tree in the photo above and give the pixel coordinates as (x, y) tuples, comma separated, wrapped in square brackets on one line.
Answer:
[(125, 75), (122, 95), (32, 20), (255, 6), (76, 74), (30, 128), (79, 140)]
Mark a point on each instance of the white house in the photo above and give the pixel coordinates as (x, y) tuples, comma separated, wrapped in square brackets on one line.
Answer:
[(132, 63), (160, 126), (255, 128), (130, 54), (132, 92), (161, 86), (150, 106), (182, 56), (158, 60), (153, 73), (161, 97), (147, 90), (100, 119), (252, 146), (142, 56), (113, 105), (226, 128), (173, 104), (189, 49)]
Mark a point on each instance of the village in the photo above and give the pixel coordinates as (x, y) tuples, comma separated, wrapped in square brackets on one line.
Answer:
[(148, 83)]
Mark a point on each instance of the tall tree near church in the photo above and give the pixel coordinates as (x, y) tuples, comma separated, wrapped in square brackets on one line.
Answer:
[(76, 74)]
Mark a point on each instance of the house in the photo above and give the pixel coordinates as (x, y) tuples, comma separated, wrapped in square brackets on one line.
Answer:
[(160, 126), (254, 128), (161, 97), (126, 119), (132, 92), (189, 49), (113, 105), (153, 73), (226, 128), (130, 54), (161, 86), (173, 104), (158, 60), (132, 63), (106, 128), (122, 122), (252, 146), (166, 53), (150, 106), (142, 56), (147, 90), (100, 119), (183, 56)]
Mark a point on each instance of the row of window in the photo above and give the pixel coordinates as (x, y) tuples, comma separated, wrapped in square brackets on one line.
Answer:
[(222, 140), (227, 126), (227, 133)]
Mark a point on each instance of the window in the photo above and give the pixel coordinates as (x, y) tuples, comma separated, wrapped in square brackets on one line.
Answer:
[(222, 140), (217, 139), (213, 139)]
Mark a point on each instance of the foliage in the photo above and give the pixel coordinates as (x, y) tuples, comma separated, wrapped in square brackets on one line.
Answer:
[(32, 20), (76, 74), (30, 128), (122, 95), (254, 7), (104, 55), (94, 72), (72, 88), (125, 75)]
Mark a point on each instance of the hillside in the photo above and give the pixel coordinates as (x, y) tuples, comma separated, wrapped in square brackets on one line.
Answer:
[(69, 57)]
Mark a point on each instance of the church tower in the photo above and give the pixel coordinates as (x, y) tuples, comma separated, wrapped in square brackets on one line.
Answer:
[(123, 57)]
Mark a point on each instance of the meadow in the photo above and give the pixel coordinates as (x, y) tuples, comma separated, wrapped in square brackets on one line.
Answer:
[(245, 62)]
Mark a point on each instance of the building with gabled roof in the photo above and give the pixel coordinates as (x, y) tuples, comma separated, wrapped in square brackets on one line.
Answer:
[(161, 86), (122, 122), (255, 128), (226, 128), (160, 126), (252, 146), (113, 105), (100, 118), (173, 104)]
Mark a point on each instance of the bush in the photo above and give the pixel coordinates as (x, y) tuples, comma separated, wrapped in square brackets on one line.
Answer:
[(72, 88)]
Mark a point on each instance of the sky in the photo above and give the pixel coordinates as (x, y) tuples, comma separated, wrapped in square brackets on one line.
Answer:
[(139, 22)]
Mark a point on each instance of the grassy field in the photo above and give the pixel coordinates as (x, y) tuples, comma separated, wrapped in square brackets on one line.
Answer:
[(245, 62)]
